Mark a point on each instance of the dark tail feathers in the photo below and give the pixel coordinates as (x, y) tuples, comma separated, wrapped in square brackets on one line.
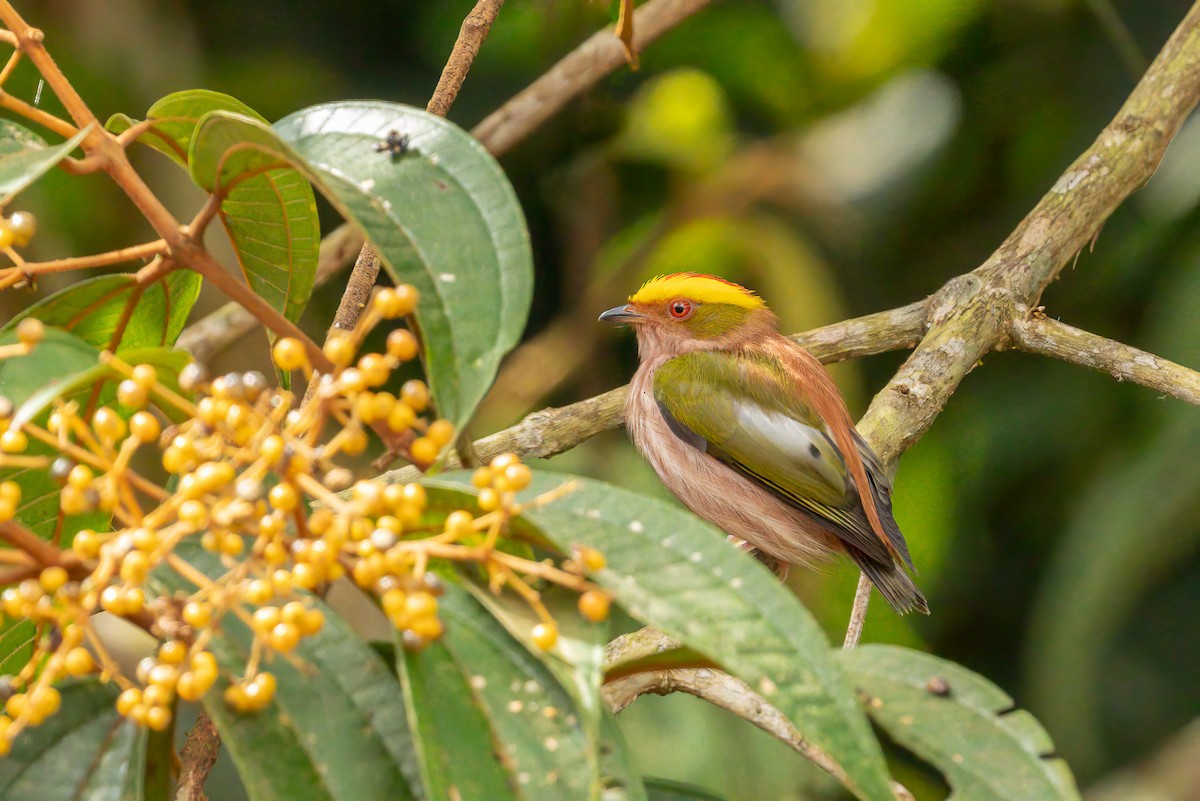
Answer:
[(894, 584)]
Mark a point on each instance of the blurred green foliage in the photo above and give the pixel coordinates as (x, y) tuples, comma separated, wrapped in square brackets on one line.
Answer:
[(842, 156)]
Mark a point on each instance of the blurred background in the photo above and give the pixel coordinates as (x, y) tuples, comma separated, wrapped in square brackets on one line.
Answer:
[(842, 157)]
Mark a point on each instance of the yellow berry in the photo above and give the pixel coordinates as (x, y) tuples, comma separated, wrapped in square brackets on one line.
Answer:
[(6, 234), (13, 441), (504, 460), (283, 497), (482, 477), (340, 349), (489, 499), (266, 618), (23, 226), (145, 427), (158, 718), (52, 578), (289, 354), (284, 637), (107, 424), (80, 477), (197, 615), (592, 559), (30, 331), (415, 394), (396, 302), (354, 441), (545, 635), (518, 476), (394, 602), (594, 605), (374, 369), (131, 394), (424, 450), (402, 345), (189, 687), (428, 627), (414, 495), (458, 523), (204, 665), (421, 604), (235, 696), (441, 432), (79, 661), (401, 417), (172, 652), (127, 700), (164, 676)]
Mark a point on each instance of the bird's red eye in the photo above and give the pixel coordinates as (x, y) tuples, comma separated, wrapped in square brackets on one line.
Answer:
[(681, 309)]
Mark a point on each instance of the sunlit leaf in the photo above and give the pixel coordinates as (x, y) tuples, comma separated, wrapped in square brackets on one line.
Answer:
[(673, 571), (85, 752), (25, 156), (92, 309), (963, 724), (441, 213), (176, 116)]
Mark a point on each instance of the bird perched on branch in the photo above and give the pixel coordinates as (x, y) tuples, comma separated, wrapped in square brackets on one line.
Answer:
[(750, 432)]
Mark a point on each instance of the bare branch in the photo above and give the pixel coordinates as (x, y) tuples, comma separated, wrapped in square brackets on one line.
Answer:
[(1037, 333), (198, 756), (858, 612), (474, 30)]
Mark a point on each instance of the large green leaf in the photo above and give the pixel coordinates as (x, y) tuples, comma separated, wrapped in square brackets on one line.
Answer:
[(667, 790), (673, 571), (533, 720), (336, 730), (963, 724), (25, 156), (92, 309), (16, 644), (442, 215), (450, 727), (85, 752), (271, 216)]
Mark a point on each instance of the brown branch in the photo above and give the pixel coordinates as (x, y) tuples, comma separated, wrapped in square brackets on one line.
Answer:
[(197, 757), (155, 248), (579, 71), (474, 30), (715, 687), (1036, 333), (44, 553)]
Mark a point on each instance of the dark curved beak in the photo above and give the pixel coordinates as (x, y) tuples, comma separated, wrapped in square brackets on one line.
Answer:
[(622, 314)]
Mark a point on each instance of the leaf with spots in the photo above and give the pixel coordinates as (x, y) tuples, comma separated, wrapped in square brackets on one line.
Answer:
[(531, 718), (85, 752), (961, 723), (25, 156), (672, 571), (336, 730), (433, 202)]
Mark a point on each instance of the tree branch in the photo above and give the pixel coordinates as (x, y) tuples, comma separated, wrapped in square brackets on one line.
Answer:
[(1036, 333), (474, 30), (198, 755)]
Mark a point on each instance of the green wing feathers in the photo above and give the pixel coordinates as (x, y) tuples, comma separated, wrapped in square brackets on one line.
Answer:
[(743, 410)]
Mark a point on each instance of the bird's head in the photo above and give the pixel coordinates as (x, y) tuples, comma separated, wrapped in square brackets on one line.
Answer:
[(692, 309)]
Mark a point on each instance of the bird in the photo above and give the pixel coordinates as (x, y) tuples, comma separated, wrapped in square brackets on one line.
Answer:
[(750, 432)]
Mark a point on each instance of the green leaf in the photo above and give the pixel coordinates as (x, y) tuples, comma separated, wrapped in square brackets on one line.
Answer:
[(336, 729), (85, 752), (533, 720), (442, 215), (961, 723), (454, 737), (177, 115), (667, 790), (671, 570), (16, 644), (25, 156), (92, 309), (270, 216)]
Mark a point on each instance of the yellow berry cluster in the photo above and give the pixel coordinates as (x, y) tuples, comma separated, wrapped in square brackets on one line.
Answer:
[(257, 478), (16, 231)]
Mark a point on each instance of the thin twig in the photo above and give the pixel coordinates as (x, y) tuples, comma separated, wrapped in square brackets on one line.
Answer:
[(198, 755), (145, 250), (474, 30), (858, 612), (1037, 333)]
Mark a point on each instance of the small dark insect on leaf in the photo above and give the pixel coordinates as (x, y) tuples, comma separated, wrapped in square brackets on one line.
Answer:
[(938, 686), (395, 144)]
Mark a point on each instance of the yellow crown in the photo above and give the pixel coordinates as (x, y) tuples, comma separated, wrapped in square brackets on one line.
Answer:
[(698, 287)]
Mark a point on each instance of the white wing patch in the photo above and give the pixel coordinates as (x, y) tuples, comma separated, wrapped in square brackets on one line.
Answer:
[(808, 448)]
